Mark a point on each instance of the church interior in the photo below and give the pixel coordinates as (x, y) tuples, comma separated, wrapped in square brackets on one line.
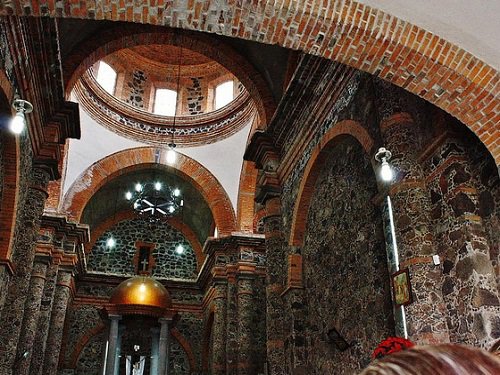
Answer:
[(243, 187)]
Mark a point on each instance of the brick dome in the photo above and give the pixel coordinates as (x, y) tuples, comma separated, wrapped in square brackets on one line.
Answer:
[(141, 290)]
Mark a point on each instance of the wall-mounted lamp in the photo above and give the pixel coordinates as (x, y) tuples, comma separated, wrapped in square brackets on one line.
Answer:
[(18, 122), (383, 156)]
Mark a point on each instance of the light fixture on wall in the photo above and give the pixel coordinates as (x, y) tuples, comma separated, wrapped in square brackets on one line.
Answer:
[(383, 156), (171, 154), (154, 200), (18, 122)]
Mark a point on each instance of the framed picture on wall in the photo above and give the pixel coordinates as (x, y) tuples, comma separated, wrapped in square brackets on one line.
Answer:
[(401, 287)]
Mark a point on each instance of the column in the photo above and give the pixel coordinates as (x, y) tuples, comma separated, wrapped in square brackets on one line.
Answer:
[(294, 299), (155, 342), (246, 329), (232, 339), (426, 316), (27, 227), (470, 284), (31, 315), (163, 347), (118, 349), (219, 329), (112, 344), (42, 330), (57, 319), (275, 279)]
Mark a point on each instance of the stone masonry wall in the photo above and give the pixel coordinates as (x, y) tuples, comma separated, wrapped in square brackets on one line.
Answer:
[(136, 85), (345, 269), (119, 260)]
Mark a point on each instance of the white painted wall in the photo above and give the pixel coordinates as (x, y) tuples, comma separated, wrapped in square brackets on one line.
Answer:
[(223, 159)]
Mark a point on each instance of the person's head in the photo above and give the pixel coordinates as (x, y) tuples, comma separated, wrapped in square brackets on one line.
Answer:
[(443, 359)]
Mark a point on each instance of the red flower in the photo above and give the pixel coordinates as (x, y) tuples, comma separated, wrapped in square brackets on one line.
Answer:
[(391, 345)]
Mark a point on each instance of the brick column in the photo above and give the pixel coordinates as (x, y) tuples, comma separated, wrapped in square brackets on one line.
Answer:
[(219, 329), (426, 316), (470, 286), (59, 306), (23, 255), (246, 328), (42, 331), (31, 314), (275, 279)]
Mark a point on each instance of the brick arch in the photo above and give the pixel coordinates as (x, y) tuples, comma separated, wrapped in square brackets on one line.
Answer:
[(10, 189), (313, 170), (246, 196), (127, 215), (104, 170), (125, 36), (82, 343), (184, 343), (346, 31)]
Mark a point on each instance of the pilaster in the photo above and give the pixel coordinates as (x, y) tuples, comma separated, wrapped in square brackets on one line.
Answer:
[(426, 315), (22, 258)]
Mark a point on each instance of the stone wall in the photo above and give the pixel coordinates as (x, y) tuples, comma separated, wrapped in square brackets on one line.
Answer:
[(90, 360), (120, 259), (136, 85), (345, 271), (195, 99)]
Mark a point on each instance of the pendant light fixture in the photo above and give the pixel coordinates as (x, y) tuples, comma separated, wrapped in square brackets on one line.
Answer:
[(171, 153)]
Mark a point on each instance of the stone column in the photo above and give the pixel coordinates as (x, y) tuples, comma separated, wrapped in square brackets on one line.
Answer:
[(42, 330), (27, 227), (31, 314), (112, 344), (426, 316), (275, 280), (57, 320), (118, 350), (155, 342), (246, 328), (232, 341), (470, 286), (163, 347), (219, 329), (296, 305)]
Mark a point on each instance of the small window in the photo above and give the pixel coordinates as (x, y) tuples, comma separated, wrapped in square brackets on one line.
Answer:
[(165, 102), (106, 77), (224, 94)]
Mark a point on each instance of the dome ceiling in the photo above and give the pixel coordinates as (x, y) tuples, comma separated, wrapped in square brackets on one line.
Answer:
[(132, 108), (169, 55)]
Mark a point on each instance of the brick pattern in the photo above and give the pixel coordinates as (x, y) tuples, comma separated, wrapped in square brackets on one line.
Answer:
[(98, 174), (246, 197), (349, 32)]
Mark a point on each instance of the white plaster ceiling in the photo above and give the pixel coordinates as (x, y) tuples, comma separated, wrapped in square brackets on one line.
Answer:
[(223, 159), (473, 25)]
